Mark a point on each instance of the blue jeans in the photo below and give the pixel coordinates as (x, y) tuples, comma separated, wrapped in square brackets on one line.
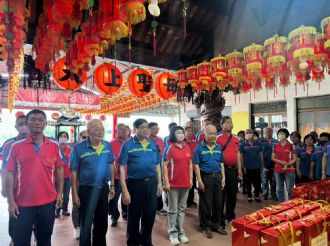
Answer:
[(288, 179)]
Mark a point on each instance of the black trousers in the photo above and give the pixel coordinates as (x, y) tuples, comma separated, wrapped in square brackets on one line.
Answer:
[(253, 178), (229, 193), (42, 217), (210, 202), (10, 227), (141, 210), (113, 204), (303, 179), (93, 212), (191, 194)]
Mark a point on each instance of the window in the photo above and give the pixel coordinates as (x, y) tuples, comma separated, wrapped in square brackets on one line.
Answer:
[(313, 114)]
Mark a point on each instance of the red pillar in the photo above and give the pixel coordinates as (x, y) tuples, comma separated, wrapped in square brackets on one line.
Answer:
[(114, 123)]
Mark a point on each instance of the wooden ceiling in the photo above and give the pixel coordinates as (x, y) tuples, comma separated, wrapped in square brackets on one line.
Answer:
[(173, 51)]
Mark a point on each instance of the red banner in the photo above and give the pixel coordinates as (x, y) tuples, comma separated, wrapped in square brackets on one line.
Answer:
[(56, 99)]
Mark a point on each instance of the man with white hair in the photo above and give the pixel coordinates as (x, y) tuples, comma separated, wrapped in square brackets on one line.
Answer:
[(92, 166), (210, 173)]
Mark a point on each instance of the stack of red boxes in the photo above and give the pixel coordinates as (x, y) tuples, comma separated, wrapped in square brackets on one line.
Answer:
[(316, 190), (295, 222)]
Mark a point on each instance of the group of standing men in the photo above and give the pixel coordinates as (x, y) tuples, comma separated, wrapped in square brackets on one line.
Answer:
[(132, 166)]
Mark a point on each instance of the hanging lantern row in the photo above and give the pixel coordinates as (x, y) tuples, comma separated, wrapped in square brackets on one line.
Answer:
[(61, 28), (304, 54)]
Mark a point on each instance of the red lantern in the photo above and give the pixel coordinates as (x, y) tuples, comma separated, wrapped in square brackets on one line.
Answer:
[(270, 83), (182, 78), (192, 76), (275, 54), (325, 25), (108, 78), (65, 78), (253, 60), (140, 82), (103, 117), (166, 85), (285, 76), (302, 42), (204, 73), (219, 71), (235, 63), (19, 113)]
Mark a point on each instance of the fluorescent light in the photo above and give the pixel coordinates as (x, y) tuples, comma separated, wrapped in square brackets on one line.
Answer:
[(6, 75)]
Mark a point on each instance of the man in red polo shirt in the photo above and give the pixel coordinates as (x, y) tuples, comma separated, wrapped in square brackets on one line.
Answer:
[(116, 147), (33, 200), (229, 144)]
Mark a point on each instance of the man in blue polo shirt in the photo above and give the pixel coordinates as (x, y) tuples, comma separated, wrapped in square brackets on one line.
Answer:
[(92, 166), (142, 159), (209, 169), (268, 178)]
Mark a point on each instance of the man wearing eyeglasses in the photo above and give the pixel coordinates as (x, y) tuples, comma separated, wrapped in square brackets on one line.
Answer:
[(33, 199), (92, 165), (141, 157)]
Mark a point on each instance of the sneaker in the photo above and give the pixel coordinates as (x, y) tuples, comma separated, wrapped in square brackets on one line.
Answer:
[(174, 241), (161, 212), (114, 223), (249, 199), (124, 216), (183, 239), (76, 233), (57, 215)]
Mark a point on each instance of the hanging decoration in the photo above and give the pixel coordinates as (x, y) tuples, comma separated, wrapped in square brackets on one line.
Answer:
[(274, 53), (192, 77), (108, 78), (182, 78), (184, 14), (140, 82), (325, 25), (67, 79), (253, 61), (219, 72), (320, 58), (302, 42), (103, 117), (235, 63), (153, 8), (204, 74), (166, 85)]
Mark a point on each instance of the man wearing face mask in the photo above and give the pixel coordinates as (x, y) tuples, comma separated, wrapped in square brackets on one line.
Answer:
[(144, 184), (284, 157), (210, 173), (22, 129), (62, 138)]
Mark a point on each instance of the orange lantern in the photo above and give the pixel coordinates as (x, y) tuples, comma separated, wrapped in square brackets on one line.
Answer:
[(253, 60), (166, 85), (235, 63), (108, 78), (204, 73), (133, 10), (65, 78), (325, 25), (182, 78), (275, 54), (140, 82), (192, 76), (302, 41), (219, 68)]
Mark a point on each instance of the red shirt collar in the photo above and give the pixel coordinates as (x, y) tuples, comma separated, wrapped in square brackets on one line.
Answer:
[(30, 140)]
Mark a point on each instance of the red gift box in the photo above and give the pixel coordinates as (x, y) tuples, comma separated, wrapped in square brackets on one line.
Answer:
[(237, 230), (297, 212), (314, 229), (293, 202), (252, 231), (325, 212), (284, 234), (301, 191)]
